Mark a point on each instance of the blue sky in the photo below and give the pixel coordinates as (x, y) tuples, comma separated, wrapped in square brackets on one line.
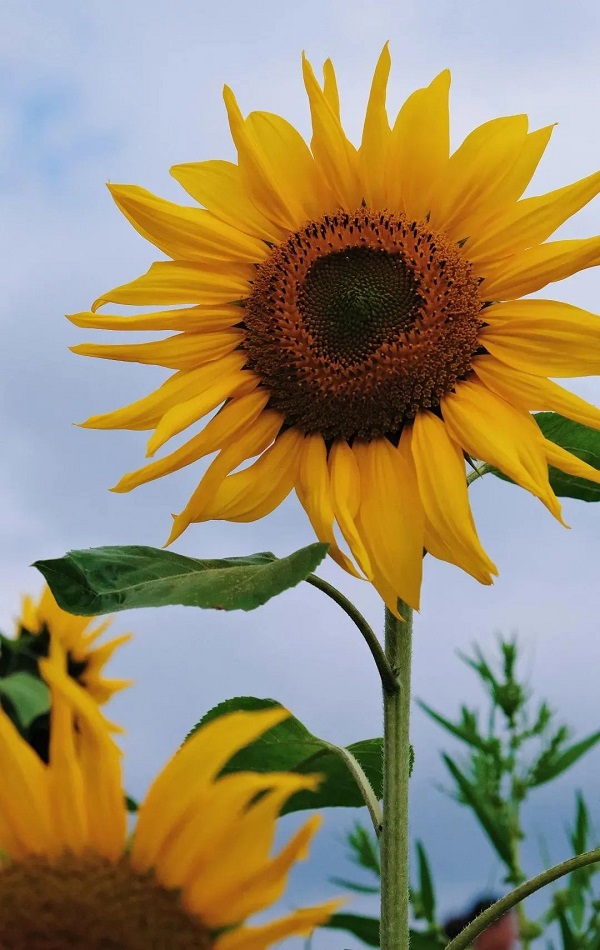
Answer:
[(105, 91)]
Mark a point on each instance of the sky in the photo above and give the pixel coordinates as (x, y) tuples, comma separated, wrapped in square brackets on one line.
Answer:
[(106, 91)]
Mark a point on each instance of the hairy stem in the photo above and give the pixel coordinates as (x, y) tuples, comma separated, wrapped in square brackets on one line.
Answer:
[(394, 934)]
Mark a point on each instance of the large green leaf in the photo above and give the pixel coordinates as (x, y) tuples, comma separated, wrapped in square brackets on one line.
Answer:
[(103, 580), (289, 746), (577, 439), (28, 695)]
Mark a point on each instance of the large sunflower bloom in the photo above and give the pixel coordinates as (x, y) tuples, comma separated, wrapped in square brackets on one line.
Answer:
[(43, 621), (200, 859), (357, 315)]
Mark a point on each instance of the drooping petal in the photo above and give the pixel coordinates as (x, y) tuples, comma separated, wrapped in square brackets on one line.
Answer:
[(534, 392), (192, 768), (543, 337), (299, 923), (217, 434), (532, 269), (314, 493), (450, 529), (345, 496), (373, 151), (490, 429), (185, 234), (257, 490), (474, 172), (26, 819), (419, 148), (183, 351), (173, 282), (562, 459), (255, 440), (390, 518), (334, 153), (217, 185), (207, 319)]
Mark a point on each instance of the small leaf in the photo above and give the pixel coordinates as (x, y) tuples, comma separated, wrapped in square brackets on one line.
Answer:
[(425, 885), (549, 768), (353, 886), (289, 746), (365, 928), (581, 442), (465, 731), (104, 580), (131, 804), (365, 849), (569, 939), (28, 696), (490, 821)]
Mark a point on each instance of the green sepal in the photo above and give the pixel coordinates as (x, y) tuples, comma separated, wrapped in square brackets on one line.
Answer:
[(28, 696), (107, 579)]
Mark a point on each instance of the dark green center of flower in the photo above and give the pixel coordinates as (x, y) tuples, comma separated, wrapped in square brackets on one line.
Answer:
[(354, 299), (358, 321), (78, 902)]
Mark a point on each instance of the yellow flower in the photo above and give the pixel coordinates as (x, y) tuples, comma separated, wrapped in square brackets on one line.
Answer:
[(200, 859), (356, 315), (46, 621)]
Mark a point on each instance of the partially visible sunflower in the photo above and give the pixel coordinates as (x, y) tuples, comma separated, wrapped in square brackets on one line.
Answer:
[(44, 621), (356, 315), (199, 863)]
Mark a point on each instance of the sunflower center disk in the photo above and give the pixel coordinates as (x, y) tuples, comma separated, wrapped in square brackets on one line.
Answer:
[(358, 321), (89, 902)]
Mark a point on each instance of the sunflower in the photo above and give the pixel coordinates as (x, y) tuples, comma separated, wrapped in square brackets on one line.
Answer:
[(42, 622), (356, 318), (200, 859)]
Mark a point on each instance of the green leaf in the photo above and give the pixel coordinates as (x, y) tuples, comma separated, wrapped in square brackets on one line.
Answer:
[(492, 823), (104, 580), (365, 851), (365, 928), (465, 731), (581, 442), (28, 696), (569, 940), (289, 746), (353, 886), (426, 890), (549, 768)]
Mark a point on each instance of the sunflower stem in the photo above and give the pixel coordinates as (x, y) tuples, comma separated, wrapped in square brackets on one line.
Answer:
[(394, 934)]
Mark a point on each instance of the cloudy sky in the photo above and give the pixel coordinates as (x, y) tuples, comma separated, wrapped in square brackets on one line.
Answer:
[(99, 91)]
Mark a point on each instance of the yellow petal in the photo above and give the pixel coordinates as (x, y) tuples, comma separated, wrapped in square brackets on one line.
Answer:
[(185, 318), (532, 269), (330, 87), (208, 398), (172, 282), (24, 796), (543, 337), (450, 529), (255, 440), (490, 429), (376, 136), (562, 459), (191, 769), (474, 172), (217, 434), (217, 185), (532, 221), (419, 148), (534, 392), (314, 493), (345, 496), (390, 518), (299, 923), (185, 234), (183, 351), (257, 490), (334, 154)]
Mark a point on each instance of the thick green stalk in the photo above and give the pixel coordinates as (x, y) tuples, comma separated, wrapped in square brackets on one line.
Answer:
[(394, 934)]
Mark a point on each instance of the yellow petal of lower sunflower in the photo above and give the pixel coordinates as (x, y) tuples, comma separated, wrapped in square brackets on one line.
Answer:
[(534, 392), (24, 795), (172, 282), (195, 765), (376, 136), (530, 270), (440, 468), (543, 337), (419, 148), (492, 430), (300, 923), (185, 234), (217, 186), (257, 490)]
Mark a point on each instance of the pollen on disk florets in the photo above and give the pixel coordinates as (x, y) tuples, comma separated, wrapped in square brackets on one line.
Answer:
[(359, 320), (87, 901)]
